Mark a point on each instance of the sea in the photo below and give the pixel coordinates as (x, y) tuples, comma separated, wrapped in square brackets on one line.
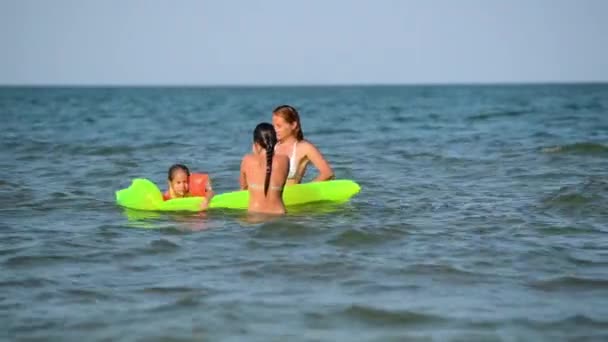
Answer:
[(482, 216)]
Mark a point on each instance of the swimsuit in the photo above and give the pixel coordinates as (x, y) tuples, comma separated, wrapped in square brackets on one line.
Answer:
[(293, 167), (261, 187)]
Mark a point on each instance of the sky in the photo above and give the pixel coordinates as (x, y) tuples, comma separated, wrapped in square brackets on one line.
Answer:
[(289, 42)]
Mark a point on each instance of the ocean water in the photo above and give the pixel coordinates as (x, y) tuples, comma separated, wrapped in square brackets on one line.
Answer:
[(483, 216)]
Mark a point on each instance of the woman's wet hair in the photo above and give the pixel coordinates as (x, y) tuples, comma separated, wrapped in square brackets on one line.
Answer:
[(176, 167), (265, 136), (290, 115)]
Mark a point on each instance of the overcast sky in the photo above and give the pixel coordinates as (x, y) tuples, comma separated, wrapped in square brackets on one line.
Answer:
[(272, 42)]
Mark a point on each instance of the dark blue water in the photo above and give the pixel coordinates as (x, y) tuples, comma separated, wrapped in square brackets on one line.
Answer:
[(483, 215)]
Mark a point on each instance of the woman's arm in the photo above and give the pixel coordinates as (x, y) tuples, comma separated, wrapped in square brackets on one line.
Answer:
[(316, 158)]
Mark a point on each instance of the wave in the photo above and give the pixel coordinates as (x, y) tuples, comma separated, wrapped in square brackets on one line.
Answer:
[(401, 155), (584, 192), (37, 260), (27, 283), (575, 320), (595, 105), (570, 283), (283, 228), (375, 315), (172, 290), (497, 114), (334, 131), (583, 148), (35, 148), (565, 323), (187, 302), (160, 246), (87, 295), (388, 318), (573, 199), (566, 230), (587, 260), (590, 195), (434, 269), (355, 237)]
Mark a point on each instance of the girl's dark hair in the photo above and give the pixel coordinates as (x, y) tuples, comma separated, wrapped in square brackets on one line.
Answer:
[(265, 136), (176, 167), (290, 115)]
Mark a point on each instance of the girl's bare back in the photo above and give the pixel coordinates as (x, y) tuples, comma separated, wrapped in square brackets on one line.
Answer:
[(254, 171)]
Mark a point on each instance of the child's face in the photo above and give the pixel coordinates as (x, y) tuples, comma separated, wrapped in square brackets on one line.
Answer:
[(180, 184)]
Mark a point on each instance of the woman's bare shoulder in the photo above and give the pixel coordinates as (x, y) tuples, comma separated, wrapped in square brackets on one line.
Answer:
[(305, 143), (307, 146)]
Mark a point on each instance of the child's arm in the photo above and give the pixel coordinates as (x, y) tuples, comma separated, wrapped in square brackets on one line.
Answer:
[(208, 194)]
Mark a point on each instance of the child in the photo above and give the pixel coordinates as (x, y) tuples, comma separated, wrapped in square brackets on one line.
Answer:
[(183, 184), (178, 182), (263, 173)]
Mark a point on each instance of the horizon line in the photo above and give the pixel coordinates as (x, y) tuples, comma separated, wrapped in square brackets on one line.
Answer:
[(294, 85)]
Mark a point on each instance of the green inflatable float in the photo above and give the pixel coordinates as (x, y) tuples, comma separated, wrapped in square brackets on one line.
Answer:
[(143, 194)]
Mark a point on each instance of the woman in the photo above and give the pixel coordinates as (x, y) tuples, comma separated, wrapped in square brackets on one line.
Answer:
[(291, 143), (263, 173)]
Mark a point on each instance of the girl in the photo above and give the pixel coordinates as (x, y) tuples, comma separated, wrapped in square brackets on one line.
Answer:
[(263, 173), (183, 184), (178, 181)]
